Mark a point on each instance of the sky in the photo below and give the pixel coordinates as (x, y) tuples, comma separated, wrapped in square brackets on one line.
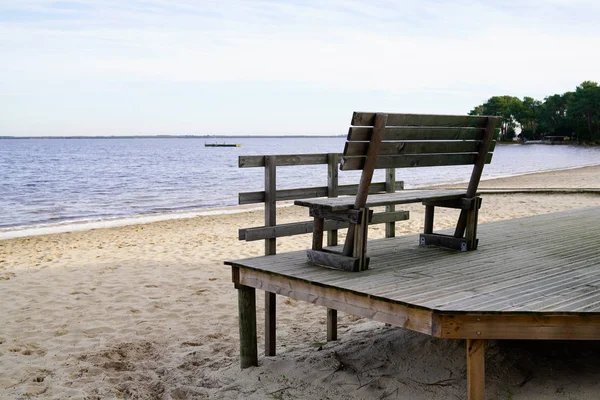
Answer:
[(245, 67)]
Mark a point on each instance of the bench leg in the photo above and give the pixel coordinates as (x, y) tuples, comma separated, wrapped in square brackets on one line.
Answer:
[(331, 324), (429, 214), (475, 369), (247, 315), (270, 327), (471, 230), (360, 239), (317, 243)]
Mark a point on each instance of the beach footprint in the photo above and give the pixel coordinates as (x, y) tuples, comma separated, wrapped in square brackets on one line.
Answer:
[(4, 276)]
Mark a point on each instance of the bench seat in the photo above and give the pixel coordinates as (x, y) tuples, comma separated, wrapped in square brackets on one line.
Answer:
[(379, 200)]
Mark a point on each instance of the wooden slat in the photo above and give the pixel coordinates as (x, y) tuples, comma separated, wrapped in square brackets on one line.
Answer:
[(312, 192), (368, 119), (283, 160), (411, 160), (363, 134), (393, 148), (349, 302), (532, 326), (299, 228), (385, 199)]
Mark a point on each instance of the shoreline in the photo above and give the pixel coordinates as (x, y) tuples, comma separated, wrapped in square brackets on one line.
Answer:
[(113, 222)]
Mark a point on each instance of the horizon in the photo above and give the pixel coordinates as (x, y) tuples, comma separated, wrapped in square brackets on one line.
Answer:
[(267, 68)]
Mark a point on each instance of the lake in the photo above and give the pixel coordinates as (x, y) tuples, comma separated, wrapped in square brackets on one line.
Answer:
[(61, 181)]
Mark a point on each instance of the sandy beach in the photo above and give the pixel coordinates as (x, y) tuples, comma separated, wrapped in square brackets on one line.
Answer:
[(148, 311)]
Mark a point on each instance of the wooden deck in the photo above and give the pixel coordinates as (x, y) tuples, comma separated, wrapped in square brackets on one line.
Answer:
[(531, 278)]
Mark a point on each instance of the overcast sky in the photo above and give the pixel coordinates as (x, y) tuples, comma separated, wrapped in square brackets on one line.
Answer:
[(126, 67)]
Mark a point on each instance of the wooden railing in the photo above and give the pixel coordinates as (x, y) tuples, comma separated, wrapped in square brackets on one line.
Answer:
[(271, 231), (270, 196)]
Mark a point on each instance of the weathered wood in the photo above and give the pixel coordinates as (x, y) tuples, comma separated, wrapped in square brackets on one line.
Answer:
[(403, 148), (363, 134), (538, 326), (461, 203), (390, 187), (380, 200), (471, 229), (429, 216), (440, 240), (475, 369), (369, 119), (283, 160), (361, 237), (350, 302), (336, 260), (414, 160), (270, 201), (477, 171), (312, 192), (333, 162), (299, 228), (350, 216), (270, 324), (368, 167), (270, 249), (317, 242), (247, 319), (331, 324), (527, 282)]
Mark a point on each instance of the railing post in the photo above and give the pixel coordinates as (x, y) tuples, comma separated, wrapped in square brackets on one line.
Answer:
[(390, 187), (270, 248), (332, 190), (332, 236)]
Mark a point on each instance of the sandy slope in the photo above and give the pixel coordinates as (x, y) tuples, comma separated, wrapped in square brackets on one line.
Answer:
[(149, 311)]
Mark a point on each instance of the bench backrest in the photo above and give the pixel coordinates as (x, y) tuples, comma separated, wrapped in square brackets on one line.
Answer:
[(380, 140), (414, 140)]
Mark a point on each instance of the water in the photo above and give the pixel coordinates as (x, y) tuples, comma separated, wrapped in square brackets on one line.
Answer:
[(61, 181)]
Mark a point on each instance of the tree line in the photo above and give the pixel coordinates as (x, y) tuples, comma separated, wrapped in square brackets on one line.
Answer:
[(572, 114)]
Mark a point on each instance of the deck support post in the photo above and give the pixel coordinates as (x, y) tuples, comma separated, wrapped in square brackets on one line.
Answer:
[(247, 314), (475, 369), (331, 324), (270, 320)]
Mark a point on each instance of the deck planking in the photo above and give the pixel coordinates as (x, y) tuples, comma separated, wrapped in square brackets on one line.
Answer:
[(546, 264)]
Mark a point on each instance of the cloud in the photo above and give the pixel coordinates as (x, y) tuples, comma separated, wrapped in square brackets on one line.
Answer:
[(464, 47)]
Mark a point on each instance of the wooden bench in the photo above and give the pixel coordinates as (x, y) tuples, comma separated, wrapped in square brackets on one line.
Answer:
[(379, 140)]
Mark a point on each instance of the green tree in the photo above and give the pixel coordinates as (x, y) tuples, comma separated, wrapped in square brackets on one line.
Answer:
[(527, 114), (553, 120), (505, 107), (584, 111)]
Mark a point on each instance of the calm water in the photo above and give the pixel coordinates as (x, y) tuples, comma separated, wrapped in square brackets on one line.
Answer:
[(61, 180)]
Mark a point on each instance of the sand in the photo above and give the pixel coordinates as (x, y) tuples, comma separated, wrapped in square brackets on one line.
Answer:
[(148, 311)]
